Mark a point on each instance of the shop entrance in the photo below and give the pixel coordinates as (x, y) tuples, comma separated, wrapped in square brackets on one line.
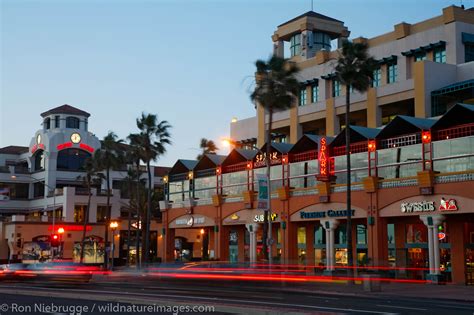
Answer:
[(191, 244)]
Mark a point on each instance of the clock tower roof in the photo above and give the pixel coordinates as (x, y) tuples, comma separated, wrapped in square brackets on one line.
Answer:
[(65, 109)]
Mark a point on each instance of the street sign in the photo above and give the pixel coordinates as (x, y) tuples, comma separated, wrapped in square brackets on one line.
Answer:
[(262, 186)]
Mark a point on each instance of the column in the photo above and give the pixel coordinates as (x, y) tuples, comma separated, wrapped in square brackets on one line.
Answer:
[(310, 245), (332, 121), (432, 222), (241, 243), (296, 131), (252, 228), (330, 226), (374, 112)]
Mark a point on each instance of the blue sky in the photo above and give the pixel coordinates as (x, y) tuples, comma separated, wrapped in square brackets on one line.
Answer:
[(190, 62)]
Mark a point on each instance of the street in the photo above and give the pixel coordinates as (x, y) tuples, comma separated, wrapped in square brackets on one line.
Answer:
[(222, 298)]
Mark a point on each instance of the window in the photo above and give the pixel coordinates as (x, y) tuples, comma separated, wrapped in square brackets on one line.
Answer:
[(377, 77), (392, 73), (295, 45), (468, 52), (420, 56), (315, 93), (72, 122), (303, 96), (72, 159), (336, 88), (56, 121), (47, 123), (38, 189), (79, 212), (39, 160), (440, 55), (101, 214), (321, 41)]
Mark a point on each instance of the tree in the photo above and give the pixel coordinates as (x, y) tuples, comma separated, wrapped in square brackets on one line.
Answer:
[(153, 137), (276, 89), (208, 147), (111, 157), (354, 69), (92, 177)]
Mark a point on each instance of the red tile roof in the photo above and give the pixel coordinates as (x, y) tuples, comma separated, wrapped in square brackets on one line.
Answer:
[(66, 109), (13, 149)]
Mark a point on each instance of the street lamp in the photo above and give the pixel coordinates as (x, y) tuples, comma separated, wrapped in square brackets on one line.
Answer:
[(14, 177), (113, 226), (60, 233)]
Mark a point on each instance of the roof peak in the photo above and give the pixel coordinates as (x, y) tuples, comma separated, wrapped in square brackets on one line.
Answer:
[(66, 109), (312, 14)]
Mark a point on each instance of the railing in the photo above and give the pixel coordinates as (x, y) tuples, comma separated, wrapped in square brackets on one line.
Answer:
[(454, 177), (398, 182)]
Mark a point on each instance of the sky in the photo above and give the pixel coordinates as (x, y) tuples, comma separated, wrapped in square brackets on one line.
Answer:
[(190, 62)]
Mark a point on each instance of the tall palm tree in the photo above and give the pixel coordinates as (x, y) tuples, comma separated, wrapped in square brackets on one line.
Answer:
[(134, 154), (92, 177), (208, 147), (276, 89), (111, 158), (354, 69), (128, 185), (154, 136)]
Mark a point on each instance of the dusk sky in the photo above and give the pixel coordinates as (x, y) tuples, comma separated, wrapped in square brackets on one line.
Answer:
[(190, 62)]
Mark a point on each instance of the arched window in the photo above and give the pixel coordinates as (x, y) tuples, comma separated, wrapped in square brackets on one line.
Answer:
[(72, 122), (72, 159), (47, 123), (39, 160)]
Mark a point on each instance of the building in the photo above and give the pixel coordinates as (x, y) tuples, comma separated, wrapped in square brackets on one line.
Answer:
[(425, 68), (42, 190), (412, 158)]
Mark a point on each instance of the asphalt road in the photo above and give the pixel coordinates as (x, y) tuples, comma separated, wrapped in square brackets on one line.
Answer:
[(224, 298)]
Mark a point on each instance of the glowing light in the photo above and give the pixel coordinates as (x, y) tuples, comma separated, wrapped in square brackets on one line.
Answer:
[(234, 120), (441, 236), (86, 147), (426, 137), (202, 231), (55, 237), (113, 225), (190, 175), (61, 230), (371, 146), (323, 156)]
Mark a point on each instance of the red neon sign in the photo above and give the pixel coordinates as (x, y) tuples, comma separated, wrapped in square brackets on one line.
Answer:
[(86, 147), (323, 158), (34, 148), (72, 228), (64, 145)]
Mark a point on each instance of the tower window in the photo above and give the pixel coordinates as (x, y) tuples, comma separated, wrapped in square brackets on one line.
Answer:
[(56, 121), (336, 88), (47, 123), (295, 45), (315, 93), (420, 56), (72, 122), (302, 96), (377, 77), (440, 55), (392, 73)]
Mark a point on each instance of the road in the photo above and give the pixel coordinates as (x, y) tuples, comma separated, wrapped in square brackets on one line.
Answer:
[(224, 298)]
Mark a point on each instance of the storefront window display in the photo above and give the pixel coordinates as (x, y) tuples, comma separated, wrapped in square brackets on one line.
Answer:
[(391, 245), (301, 237)]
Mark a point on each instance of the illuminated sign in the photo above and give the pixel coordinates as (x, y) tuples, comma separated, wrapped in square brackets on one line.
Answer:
[(86, 147), (323, 159), (64, 145), (441, 236), (260, 159), (35, 147), (71, 228), (324, 214), (448, 205), (422, 206), (190, 221), (261, 217)]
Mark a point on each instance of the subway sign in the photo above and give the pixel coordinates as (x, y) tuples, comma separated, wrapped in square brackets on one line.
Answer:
[(325, 214)]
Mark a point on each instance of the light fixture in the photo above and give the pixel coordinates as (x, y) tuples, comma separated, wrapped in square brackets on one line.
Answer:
[(202, 231), (234, 120)]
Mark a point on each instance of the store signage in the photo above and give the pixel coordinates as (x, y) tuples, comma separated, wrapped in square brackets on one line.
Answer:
[(262, 189), (441, 236), (323, 160), (422, 206), (261, 217), (72, 228), (325, 214), (448, 205), (190, 221), (260, 159), (41, 238), (64, 145)]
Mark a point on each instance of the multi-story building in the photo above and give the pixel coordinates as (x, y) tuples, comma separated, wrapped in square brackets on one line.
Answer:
[(43, 190), (425, 68), (412, 155)]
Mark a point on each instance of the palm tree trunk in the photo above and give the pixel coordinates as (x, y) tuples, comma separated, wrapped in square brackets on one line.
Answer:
[(267, 232), (148, 215), (107, 221), (129, 227), (350, 260), (86, 219), (138, 230)]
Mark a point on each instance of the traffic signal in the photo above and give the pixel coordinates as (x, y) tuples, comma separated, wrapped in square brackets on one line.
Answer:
[(55, 241)]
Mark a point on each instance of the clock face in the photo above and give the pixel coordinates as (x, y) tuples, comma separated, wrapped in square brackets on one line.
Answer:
[(38, 139), (75, 137)]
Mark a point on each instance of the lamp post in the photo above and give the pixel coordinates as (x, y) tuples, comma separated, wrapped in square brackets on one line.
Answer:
[(60, 233), (268, 242), (14, 176), (113, 226)]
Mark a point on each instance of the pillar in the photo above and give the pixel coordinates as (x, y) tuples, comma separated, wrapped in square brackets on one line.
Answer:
[(252, 228), (422, 99), (310, 244), (330, 225), (222, 238), (278, 47), (296, 131), (458, 251), (374, 113), (260, 126), (290, 248), (332, 121), (400, 251), (433, 222), (241, 243)]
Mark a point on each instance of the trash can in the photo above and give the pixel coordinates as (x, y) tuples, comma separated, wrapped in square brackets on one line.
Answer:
[(371, 283)]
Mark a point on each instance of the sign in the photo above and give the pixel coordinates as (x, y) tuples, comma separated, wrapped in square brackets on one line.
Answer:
[(323, 160), (4, 193), (69, 228), (422, 206), (325, 214), (441, 236), (41, 238), (233, 237), (261, 159), (261, 217), (448, 205), (190, 221), (262, 188)]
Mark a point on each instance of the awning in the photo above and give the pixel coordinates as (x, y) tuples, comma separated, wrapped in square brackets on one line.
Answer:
[(425, 48), (454, 87)]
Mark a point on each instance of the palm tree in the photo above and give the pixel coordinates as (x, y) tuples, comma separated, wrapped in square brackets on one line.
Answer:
[(354, 69), (276, 89), (91, 178), (111, 158), (134, 154), (208, 147), (153, 137), (128, 185)]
